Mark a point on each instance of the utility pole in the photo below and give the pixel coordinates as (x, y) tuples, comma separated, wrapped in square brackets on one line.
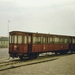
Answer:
[(8, 33)]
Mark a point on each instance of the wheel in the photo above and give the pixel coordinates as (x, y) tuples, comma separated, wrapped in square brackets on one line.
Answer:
[(35, 56)]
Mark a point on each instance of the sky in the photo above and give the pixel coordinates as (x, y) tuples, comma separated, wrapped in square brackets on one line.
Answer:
[(42, 16)]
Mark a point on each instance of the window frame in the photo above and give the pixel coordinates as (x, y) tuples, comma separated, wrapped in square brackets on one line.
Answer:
[(25, 39), (37, 39), (54, 40), (15, 39), (66, 40), (20, 42), (50, 40), (73, 40)]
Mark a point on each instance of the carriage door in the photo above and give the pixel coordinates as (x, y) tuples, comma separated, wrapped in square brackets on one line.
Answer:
[(29, 43)]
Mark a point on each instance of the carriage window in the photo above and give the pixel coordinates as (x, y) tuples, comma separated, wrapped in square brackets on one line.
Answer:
[(19, 39), (44, 40), (25, 39), (56, 40), (12, 39), (15, 39), (36, 40), (61, 40), (66, 40), (73, 40), (50, 40)]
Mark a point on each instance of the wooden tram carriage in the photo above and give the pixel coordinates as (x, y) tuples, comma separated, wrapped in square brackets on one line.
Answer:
[(22, 44)]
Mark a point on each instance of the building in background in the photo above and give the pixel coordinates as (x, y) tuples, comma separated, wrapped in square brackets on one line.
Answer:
[(4, 42)]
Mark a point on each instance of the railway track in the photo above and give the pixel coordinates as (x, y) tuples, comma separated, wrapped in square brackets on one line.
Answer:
[(5, 65)]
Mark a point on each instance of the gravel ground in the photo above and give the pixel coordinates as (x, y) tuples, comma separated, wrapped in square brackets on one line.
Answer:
[(4, 53), (63, 66)]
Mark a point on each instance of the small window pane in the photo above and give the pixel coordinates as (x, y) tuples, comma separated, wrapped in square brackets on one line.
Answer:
[(25, 39), (36, 40), (66, 40), (50, 40), (61, 40), (15, 39), (56, 40), (44, 40), (19, 39), (73, 41)]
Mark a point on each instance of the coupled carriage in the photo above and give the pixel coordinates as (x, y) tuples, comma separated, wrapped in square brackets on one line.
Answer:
[(27, 44)]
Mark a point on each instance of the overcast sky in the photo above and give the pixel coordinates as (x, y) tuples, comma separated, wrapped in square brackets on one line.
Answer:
[(43, 16)]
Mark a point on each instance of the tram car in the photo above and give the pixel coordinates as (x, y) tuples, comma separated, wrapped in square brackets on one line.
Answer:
[(28, 44)]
